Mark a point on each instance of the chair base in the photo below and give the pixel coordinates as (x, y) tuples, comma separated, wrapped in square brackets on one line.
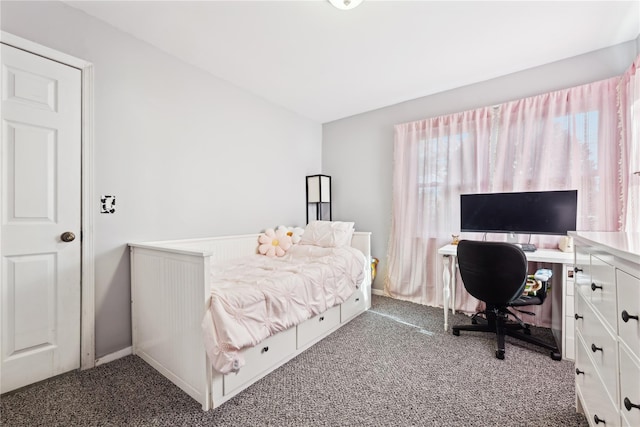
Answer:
[(498, 324)]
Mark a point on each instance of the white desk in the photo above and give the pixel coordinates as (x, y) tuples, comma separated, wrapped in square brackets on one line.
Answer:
[(553, 256)]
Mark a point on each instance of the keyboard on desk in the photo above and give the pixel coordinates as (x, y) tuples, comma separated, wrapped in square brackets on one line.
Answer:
[(527, 247)]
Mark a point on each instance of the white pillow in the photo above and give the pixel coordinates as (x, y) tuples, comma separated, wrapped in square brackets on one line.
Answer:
[(328, 234)]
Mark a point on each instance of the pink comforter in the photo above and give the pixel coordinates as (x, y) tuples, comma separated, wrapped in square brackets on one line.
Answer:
[(255, 297)]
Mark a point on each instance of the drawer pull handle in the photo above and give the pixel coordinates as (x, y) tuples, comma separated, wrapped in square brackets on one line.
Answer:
[(321, 318), (577, 270), (357, 299), (578, 372), (594, 348), (626, 316), (577, 316), (629, 405), (594, 287), (598, 420), (265, 349)]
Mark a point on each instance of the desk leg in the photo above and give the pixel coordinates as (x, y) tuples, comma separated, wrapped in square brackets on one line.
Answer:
[(453, 283), (446, 282)]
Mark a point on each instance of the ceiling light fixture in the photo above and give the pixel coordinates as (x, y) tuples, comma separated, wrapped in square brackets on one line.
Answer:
[(345, 4)]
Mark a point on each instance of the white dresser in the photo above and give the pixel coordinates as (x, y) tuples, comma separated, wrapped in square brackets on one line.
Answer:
[(607, 327)]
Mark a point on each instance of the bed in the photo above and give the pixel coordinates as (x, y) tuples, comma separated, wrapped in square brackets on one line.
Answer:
[(171, 294)]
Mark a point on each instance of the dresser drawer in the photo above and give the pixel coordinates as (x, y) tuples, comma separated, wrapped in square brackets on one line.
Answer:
[(595, 400), (582, 274), (354, 305), (629, 387), (585, 371), (309, 330), (581, 307), (602, 346), (603, 291), (260, 358), (629, 302)]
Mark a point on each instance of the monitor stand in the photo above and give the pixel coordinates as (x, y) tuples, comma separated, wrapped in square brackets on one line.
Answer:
[(526, 247)]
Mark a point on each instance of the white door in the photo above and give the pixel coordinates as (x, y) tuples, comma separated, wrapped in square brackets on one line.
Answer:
[(40, 183)]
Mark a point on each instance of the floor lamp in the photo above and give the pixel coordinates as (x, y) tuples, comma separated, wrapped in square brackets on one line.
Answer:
[(319, 197)]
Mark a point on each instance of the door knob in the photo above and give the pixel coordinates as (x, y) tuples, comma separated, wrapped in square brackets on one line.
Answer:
[(67, 236), (626, 316)]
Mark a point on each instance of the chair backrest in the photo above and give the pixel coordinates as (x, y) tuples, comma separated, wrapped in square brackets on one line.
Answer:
[(493, 272)]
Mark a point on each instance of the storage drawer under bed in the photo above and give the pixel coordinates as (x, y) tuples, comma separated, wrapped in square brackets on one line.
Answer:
[(311, 329), (260, 358), (354, 305)]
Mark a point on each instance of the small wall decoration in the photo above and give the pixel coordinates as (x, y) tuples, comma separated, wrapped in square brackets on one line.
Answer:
[(107, 204)]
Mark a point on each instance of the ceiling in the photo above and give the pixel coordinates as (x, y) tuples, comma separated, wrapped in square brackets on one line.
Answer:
[(326, 64)]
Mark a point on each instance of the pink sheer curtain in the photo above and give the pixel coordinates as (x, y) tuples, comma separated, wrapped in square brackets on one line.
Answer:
[(629, 94), (434, 161), (568, 139), (564, 140)]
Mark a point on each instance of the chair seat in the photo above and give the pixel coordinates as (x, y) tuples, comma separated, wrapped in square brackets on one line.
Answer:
[(496, 273)]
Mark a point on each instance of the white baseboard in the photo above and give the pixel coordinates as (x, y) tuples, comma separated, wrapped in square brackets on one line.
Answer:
[(378, 292), (114, 356)]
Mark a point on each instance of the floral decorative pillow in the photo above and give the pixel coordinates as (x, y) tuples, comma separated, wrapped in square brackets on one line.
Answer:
[(294, 232), (328, 234), (274, 243)]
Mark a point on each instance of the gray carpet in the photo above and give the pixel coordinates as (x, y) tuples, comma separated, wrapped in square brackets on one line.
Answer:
[(391, 366)]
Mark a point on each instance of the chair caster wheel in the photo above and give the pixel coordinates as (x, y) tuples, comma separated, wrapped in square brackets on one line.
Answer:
[(455, 332), (500, 354), (556, 356)]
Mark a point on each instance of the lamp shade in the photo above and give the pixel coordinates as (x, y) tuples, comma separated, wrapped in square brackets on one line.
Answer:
[(318, 189), (319, 197)]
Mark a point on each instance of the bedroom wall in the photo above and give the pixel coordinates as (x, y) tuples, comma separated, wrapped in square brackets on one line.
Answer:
[(358, 151), (185, 154)]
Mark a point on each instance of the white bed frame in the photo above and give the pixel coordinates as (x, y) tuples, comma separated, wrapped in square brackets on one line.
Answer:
[(169, 293)]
